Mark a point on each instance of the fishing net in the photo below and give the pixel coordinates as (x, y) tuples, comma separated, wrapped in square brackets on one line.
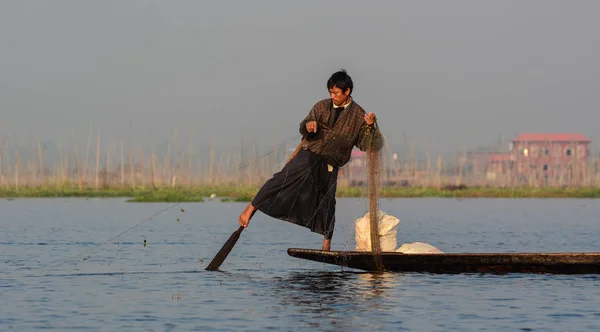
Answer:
[(374, 165)]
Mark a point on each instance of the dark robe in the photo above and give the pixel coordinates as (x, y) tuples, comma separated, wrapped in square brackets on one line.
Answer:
[(303, 193)]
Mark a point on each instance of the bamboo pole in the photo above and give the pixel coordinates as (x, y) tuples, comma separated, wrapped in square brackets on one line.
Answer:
[(597, 171), (439, 171), (2, 170), (61, 169), (31, 167), (131, 170), (143, 165), (170, 173), (153, 169), (67, 163), (227, 166), (190, 156), (78, 167), (242, 162), (77, 163), (426, 181), (17, 169), (221, 164), (427, 165), (267, 167), (55, 173), (413, 166), (212, 161), (199, 178), (390, 156), (167, 165), (29, 174), (41, 159), (236, 170), (97, 182), (87, 154), (122, 167), (252, 168), (106, 170)]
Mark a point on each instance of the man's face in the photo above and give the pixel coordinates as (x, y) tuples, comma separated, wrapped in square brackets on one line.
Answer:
[(338, 96)]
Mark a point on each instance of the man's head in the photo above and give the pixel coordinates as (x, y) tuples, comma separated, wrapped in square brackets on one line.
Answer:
[(340, 87)]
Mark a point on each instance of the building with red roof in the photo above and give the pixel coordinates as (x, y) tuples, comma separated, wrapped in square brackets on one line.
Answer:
[(550, 156)]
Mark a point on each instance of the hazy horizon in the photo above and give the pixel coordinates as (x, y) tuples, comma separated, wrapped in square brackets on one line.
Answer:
[(445, 76)]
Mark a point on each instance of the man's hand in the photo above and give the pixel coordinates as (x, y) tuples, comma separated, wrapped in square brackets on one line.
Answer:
[(311, 127), (370, 119)]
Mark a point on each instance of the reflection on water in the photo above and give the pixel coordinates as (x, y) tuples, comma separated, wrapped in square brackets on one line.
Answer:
[(314, 291), (338, 298)]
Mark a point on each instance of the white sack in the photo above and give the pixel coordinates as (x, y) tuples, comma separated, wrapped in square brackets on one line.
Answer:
[(387, 232), (418, 248)]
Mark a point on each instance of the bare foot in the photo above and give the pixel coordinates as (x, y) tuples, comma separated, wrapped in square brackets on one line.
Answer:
[(326, 245), (245, 217)]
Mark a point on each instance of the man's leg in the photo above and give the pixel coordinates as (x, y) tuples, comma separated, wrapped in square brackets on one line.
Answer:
[(246, 215), (326, 244), (330, 207)]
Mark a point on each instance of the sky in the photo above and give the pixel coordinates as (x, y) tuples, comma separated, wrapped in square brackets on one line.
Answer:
[(439, 75)]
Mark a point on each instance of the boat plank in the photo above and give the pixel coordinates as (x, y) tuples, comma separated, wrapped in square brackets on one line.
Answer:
[(451, 263)]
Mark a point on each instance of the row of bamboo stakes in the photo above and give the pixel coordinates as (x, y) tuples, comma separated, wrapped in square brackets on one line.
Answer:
[(136, 168)]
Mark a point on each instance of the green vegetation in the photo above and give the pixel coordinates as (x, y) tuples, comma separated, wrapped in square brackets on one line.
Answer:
[(56, 191), (140, 194), (245, 194), (479, 192)]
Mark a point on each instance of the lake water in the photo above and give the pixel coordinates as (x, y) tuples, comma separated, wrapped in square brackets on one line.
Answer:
[(64, 267)]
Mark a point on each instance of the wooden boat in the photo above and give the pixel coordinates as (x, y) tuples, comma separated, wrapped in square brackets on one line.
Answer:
[(451, 263)]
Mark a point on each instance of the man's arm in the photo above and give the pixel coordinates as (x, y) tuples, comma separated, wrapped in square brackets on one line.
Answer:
[(308, 120), (369, 136)]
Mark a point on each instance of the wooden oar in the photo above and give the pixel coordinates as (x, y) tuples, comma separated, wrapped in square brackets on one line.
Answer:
[(222, 254), (226, 249)]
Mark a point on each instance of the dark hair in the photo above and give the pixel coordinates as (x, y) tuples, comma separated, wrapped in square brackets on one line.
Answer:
[(342, 80)]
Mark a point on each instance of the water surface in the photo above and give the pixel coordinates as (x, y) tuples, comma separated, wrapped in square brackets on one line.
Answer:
[(65, 267)]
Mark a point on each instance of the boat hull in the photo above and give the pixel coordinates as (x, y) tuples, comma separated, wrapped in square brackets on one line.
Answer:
[(452, 263)]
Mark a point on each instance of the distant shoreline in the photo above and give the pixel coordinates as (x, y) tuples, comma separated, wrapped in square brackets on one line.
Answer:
[(245, 194)]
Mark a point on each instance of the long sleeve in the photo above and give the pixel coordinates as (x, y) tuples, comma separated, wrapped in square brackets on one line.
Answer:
[(310, 117)]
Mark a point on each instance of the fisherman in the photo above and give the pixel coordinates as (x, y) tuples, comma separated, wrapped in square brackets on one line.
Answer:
[(303, 192)]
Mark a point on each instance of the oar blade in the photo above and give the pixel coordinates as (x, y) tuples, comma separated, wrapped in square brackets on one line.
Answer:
[(225, 250)]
